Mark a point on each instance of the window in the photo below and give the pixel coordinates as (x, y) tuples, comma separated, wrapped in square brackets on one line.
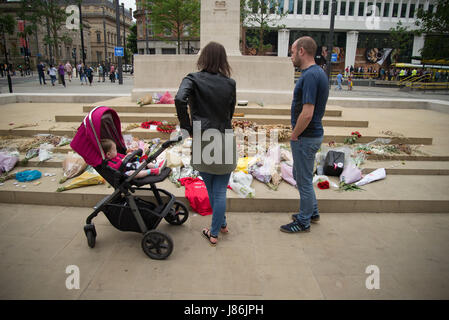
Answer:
[(168, 51), (316, 9), (403, 10), (430, 8), (299, 11), (98, 37), (308, 7), (343, 8), (326, 8), (395, 10), (369, 11), (411, 13), (351, 8), (291, 6), (386, 10), (361, 9)]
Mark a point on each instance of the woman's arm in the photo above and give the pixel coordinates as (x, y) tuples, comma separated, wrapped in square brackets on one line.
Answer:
[(181, 101)]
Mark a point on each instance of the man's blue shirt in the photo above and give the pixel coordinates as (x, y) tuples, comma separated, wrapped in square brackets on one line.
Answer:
[(311, 88)]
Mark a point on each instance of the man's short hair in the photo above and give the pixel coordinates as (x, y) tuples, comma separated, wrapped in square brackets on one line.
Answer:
[(308, 44)]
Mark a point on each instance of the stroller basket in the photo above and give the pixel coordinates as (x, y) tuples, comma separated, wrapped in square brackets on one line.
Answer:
[(120, 215)]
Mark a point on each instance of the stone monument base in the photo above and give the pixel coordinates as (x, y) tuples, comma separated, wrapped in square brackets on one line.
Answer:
[(260, 79)]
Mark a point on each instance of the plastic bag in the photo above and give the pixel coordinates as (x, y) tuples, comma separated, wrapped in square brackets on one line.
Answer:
[(351, 174), (318, 178), (377, 174), (64, 141), (28, 175), (73, 165), (174, 158), (175, 175), (8, 159), (240, 183), (166, 99), (45, 152), (287, 173), (88, 178), (242, 164), (148, 99)]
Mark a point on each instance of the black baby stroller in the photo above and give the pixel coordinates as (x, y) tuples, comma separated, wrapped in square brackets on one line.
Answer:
[(125, 211)]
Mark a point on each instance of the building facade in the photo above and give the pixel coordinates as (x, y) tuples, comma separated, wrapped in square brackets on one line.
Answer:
[(149, 43), (362, 28), (96, 44)]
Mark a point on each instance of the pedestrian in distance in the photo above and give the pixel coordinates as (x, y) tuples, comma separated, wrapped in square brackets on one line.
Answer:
[(339, 81), (41, 73), (69, 70), (100, 72), (82, 73), (52, 72), (61, 73), (211, 96), (112, 74), (89, 72), (308, 107)]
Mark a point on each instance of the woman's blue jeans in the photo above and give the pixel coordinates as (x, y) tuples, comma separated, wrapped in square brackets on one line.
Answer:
[(303, 151), (216, 188)]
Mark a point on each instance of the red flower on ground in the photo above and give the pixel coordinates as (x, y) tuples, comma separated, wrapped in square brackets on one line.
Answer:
[(323, 185)]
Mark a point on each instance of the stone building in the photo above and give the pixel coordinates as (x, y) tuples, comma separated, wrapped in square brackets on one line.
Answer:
[(93, 34)]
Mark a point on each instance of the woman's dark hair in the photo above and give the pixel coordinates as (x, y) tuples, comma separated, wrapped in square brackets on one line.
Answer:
[(213, 59)]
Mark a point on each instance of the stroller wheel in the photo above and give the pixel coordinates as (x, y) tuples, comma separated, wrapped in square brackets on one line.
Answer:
[(91, 234), (157, 245), (178, 214)]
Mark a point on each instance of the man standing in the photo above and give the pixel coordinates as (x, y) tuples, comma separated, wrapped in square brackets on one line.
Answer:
[(308, 106), (40, 71)]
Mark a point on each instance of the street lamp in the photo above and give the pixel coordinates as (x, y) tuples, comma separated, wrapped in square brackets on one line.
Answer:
[(83, 54), (117, 21), (331, 41)]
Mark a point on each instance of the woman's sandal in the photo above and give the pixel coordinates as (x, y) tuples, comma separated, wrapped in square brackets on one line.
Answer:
[(224, 230), (209, 237)]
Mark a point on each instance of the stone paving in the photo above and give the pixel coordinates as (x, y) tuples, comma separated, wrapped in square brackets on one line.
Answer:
[(255, 261)]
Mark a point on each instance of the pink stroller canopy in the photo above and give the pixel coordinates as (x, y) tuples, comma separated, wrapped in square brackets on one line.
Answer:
[(100, 123)]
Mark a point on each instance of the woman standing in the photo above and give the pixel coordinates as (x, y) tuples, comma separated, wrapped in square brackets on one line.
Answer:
[(211, 94)]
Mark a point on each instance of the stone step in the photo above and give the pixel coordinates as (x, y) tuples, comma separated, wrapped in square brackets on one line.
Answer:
[(170, 108), (396, 193), (394, 167), (335, 134), (259, 119)]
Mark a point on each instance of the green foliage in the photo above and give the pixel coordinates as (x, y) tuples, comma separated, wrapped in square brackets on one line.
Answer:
[(436, 27), (132, 38), (7, 24), (178, 17), (38, 11), (264, 16)]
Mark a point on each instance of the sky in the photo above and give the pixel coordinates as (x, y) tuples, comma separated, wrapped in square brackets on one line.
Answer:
[(129, 4)]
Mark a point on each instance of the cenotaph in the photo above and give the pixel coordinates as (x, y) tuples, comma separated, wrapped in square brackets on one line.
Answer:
[(260, 79)]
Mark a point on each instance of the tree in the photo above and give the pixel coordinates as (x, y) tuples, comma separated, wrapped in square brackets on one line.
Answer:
[(51, 14), (264, 16), (178, 17), (132, 38), (401, 39), (7, 26), (436, 27)]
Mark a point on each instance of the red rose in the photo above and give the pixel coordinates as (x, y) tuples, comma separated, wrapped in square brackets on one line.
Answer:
[(323, 185)]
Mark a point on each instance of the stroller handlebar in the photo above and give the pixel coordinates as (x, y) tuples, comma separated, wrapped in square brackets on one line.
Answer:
[(143, 165)]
